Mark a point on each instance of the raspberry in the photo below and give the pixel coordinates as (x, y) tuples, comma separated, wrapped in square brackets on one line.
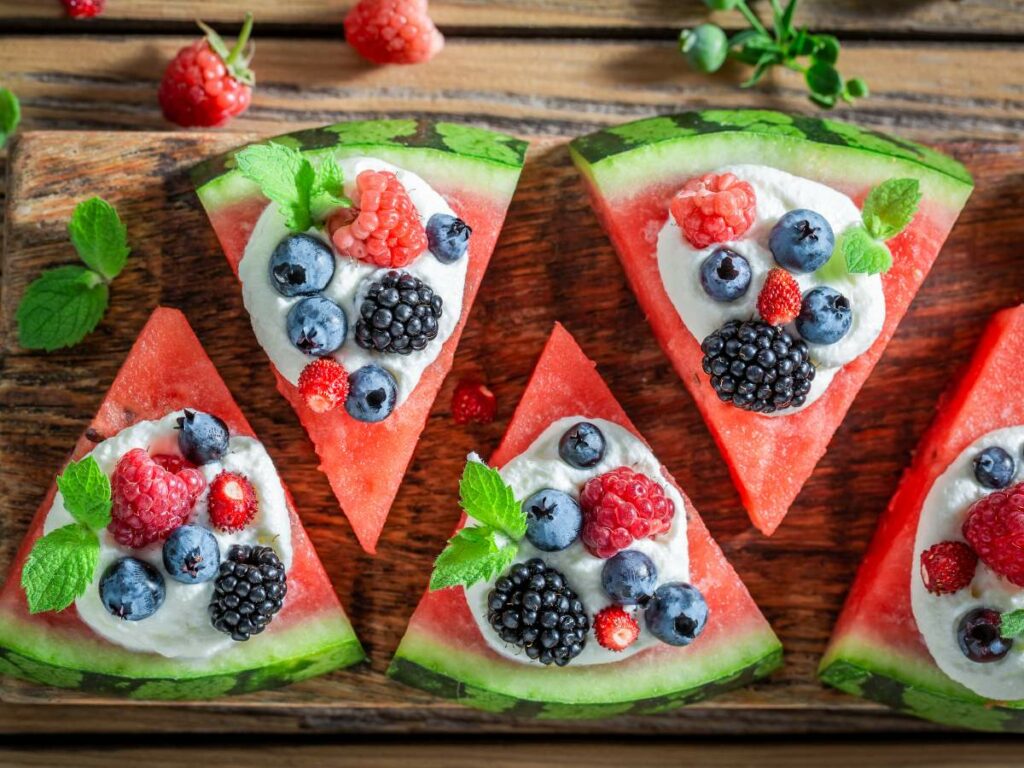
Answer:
[(186, 470), (714, 209), (615, 629), (84, 9), (205, 84), (392, 31), (148, 501), (947, 567), (995, 530), (323, 384), (172, 462), (382, 227), (473, 401), (780, 300), (233, 502), (620, 507)]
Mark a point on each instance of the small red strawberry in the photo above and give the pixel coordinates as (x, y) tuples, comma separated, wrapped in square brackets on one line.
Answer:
[(947, 567), (323, 384), (206, 85), (473, 401), (995, 530), (233, 502), (84, 9), (392, 31), (615, 629), (780, 299)]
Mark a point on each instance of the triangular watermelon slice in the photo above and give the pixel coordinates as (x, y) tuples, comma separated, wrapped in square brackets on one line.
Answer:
[(168, 370), (877, 649), (476, 172), (444, 652), (634, 170)]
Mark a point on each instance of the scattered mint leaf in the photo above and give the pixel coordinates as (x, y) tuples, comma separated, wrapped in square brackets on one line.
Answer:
[(1012, 623), (99, 237), (86, 491), (60, 567), (476, 553), (487, 498), (862, 253), (10, 115), (890, 207), (60, 308)]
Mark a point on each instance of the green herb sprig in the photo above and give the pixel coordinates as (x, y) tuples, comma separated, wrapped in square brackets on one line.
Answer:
[(888, 210), (707, 47), (10, 115), (1011, 623)]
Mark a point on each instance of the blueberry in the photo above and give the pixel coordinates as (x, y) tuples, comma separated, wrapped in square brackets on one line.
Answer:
[(372, 394), (132, 589), (994, 468), (582, 445), (301, 265), (676, 613), (553, 519), (447, 237), (191, 554), (317, 325), (202, 437), (629, 577), (979, 638), (725, 275), (825, 316), (802, 241)]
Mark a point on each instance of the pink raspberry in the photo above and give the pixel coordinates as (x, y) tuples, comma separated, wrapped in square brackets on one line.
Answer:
[(714, 209), (620, 507), (392, 31), (995, 530), (148, 501)]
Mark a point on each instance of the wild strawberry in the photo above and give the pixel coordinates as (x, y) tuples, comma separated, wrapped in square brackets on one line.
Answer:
[(714, 209), (615, 629), (620, 507), (780, 300), (206, 84), (947, 567), (148, 501), (995, 530), (84, 9), (233, 502), (473, 401), (323, 384), (392, 31)]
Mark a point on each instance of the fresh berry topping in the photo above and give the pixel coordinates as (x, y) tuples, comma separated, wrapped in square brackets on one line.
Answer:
[(725, 275), (202, 437), (779, 301), (533, 607), (317, 325), (233, 502), (553, 520), (629, 577), (249, 590), (191, 554), (132, 589), (676, 613), (620, 507), (825, 316), (473, 401), (714, 209), (447, 237), (582, 446), (995, 530), (323, 384), (148, 501), (206, 84), (172, 462), (183, 468), (758, 367), (372, 394), (399, 315), (84, 9), (979, 638), (392, 31), (382, 227), (802, 241), (615, 629), (301, 265), (994, 468), (947, 567)]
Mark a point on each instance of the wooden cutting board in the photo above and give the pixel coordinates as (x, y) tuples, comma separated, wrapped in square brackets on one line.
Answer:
[(553, 262)]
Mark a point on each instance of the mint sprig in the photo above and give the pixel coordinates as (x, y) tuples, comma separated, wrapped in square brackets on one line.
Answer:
[(64, 304), (888, 210), (62, 563), (10, 115), (1011, 623)]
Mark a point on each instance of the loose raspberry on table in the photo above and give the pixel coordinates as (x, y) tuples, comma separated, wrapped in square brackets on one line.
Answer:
[(620, 507), (323, 384), (615, 629), (392, 31), (148, 501), (780, 300), (995, 530), (233, 502), (473, 400), (84, 9), (947, 567), (714, 209)]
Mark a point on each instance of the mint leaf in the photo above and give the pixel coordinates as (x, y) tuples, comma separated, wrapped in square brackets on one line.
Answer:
[(86, 492), (99, 237), (60, 308), (473, 554), (10, 115), (328, 190), (862, 253), (890, 207), (60, 567), (485, 497), (285, 177), (1012, 623)]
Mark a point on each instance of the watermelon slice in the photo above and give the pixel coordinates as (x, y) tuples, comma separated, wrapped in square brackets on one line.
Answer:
[(168, 370), (444, 652), (476, 171), (876, 649), (632, 172)]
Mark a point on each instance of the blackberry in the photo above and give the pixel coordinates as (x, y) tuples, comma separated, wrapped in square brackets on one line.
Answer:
[(249, 590), (533, 607), (399, 314), (758, 367)]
